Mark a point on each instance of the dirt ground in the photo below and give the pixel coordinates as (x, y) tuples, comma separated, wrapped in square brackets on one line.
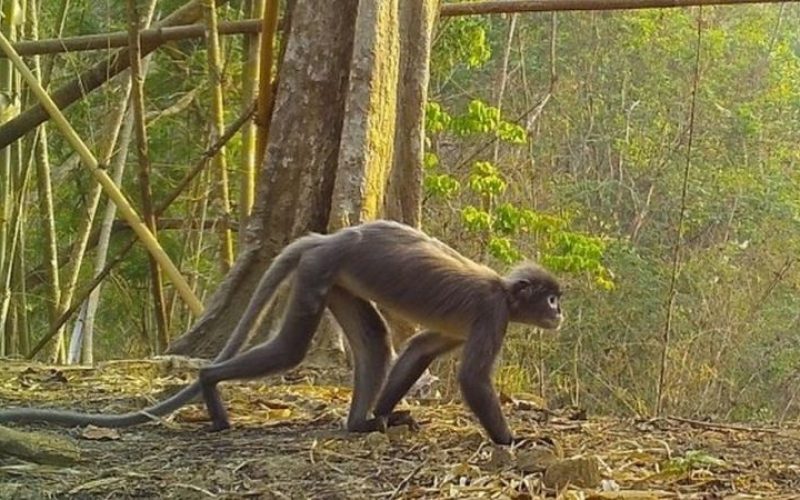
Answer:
[(287, 442)]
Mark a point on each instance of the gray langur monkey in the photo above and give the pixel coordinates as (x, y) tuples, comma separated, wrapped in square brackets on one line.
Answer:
[(419, 278)]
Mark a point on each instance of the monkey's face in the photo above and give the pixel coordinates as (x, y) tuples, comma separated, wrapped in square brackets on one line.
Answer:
[(537, 303)]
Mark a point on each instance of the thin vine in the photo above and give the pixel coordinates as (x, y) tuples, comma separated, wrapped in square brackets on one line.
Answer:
[(676, 252)]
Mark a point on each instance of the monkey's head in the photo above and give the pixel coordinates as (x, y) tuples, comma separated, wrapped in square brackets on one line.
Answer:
[(534, 296)]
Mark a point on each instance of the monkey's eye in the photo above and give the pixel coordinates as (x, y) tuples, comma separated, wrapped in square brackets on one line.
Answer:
[(552, 300)]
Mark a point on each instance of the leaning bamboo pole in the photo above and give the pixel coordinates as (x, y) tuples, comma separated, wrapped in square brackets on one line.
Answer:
[(89, 160)]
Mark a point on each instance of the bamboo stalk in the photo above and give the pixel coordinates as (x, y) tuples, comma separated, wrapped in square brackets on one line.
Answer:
[(264, 110), (217, 126), (89, 160), (250, 77), (21, 332), (9, 108), (43, 182), (137, 103)]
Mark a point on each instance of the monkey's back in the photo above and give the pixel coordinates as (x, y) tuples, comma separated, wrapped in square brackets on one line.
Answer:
[(415, 275)]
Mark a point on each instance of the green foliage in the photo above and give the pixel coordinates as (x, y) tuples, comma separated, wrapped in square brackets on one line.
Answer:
[(692, 460), (485, 180), (436, 118), (503, 223), (480, 118), (441, 185), (597, 187), (462, 41)]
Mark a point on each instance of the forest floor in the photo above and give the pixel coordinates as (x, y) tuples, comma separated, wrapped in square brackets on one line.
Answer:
[(287, 442)]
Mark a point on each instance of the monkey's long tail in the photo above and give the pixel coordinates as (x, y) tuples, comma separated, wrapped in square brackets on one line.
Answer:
[(277, 272)]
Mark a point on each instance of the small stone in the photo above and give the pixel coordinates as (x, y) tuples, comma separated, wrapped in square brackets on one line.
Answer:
[(376, 441), (502, 457), (583, 472), (397, 432), (536, 459)]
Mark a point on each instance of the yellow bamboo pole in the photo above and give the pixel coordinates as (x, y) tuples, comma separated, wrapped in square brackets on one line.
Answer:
[(125, 208), (250, 74), (218, 125), (264, 110)]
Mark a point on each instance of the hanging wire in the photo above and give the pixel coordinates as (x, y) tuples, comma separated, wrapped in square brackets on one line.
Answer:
[(676, 251)]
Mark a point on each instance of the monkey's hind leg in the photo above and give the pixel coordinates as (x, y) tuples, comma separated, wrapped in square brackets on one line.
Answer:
[(368, 336), (285, 351)]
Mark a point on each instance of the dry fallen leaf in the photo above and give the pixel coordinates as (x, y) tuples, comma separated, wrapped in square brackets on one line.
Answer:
[(99, 433)]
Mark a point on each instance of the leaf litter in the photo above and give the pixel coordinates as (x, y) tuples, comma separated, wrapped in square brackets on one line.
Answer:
[(287, 441)]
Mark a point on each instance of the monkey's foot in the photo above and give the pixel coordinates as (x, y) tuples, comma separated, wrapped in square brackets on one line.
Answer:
[(402, 417), (369, 425), (219, 426)]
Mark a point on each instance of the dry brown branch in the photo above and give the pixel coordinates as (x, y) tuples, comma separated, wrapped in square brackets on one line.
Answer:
[(117, 39), (511, 6)]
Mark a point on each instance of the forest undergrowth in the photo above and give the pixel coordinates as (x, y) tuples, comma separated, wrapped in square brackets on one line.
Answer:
[(287, 441)]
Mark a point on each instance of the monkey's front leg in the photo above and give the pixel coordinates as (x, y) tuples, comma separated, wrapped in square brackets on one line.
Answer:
[(215, 406), (421, 351), (474, 377)]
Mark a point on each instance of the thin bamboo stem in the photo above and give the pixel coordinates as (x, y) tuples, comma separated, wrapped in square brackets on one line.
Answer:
[(217, 126), (250, 77), (264, 110), (137, 103), (9, 108), (43, 181)]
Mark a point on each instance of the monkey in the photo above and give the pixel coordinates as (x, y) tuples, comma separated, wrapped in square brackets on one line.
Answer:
[(458, 302)]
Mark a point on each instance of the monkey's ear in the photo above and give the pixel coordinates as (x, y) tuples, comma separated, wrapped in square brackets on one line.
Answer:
[(522, 288)]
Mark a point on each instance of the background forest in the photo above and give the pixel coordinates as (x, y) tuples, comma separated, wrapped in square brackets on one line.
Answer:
[(560, 137)]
